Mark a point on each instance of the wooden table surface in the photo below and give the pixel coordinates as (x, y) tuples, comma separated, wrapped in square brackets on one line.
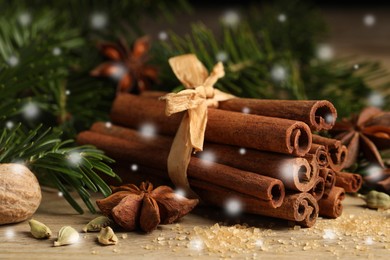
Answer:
[(359, 234)]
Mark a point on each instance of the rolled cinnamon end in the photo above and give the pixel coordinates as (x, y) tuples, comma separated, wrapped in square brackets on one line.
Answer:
[(312, 213), (295, 207), (350, 182), (336, 152), (332, 206), (146, 152), (224, 127), (319, 115), (318, 189), (320, 153), (330, 180)]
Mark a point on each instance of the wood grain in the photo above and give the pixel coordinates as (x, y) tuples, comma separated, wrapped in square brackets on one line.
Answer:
[(17, 243)]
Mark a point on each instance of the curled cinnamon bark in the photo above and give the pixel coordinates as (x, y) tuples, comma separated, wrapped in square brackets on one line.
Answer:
[(320, 153), (299, 207), (251, 131), (331, 206), (318, 189), (336, 152), (350, 182), (146, 152), (319, 115), (330, 180)]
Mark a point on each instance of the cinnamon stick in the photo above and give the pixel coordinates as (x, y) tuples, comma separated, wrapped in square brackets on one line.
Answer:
[(350, 182), (295, 207), (318, 189), (295, 173), (330, 180), (337, 153), (250, 131), (143, 152), (331, 206), (319, 115), (320, 153)]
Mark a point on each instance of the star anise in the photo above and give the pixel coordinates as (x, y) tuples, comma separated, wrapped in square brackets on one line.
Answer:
[(127, 66), (366, 133), (143, 207)]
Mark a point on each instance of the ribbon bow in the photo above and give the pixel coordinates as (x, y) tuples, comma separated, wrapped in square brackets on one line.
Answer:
[(195, 99)]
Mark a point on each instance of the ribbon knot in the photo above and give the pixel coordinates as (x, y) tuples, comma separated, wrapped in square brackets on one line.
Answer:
[(195, 99)]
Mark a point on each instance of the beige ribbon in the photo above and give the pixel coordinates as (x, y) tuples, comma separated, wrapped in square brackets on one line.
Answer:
[(195, 99)]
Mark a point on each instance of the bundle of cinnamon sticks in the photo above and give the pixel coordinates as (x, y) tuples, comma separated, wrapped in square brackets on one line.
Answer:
[(267, 158)]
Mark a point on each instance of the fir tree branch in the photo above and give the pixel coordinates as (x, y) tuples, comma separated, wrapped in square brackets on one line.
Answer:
[(56, 163)]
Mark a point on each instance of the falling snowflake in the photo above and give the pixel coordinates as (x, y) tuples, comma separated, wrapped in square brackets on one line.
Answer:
[(118, 71), (369, 20), (108, 124), (56, 51), (286, 171), (356, 66), (180, 192), (329, 234), (375, 172), (98, 20), (278, 73), (282, 18), (246, 110), (329, 118), (74, 158), (369, 241), (221, 56), (60, 194), (233, 206), (9, 233), (134, 167), (231, 18), (163, 36), (207, 157), (17, 167), (260, 244), (67, 92), (325, 52), (9, 124), (148, 130), (375, 99), (242, 151), (196, 244), (30, 110), (13, 61), (24, 18)]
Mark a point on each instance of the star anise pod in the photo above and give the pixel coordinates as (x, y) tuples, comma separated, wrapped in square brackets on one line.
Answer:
[(128, 66), (366, 133), (143, 207)]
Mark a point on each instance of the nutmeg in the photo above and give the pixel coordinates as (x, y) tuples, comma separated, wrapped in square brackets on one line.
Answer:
[(20, 193)]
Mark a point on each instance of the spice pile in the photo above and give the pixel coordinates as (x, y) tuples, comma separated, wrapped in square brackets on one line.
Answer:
[(271, 165)]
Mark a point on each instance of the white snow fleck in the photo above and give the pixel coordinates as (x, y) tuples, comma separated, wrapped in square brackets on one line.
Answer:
[(369, 20), (325, 52), (98, 20), (233, 206)]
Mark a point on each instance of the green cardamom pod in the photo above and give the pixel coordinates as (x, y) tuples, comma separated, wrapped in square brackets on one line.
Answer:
[(377, 200), (107, 236), (38, 229), (96, 224), (66, 236)]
